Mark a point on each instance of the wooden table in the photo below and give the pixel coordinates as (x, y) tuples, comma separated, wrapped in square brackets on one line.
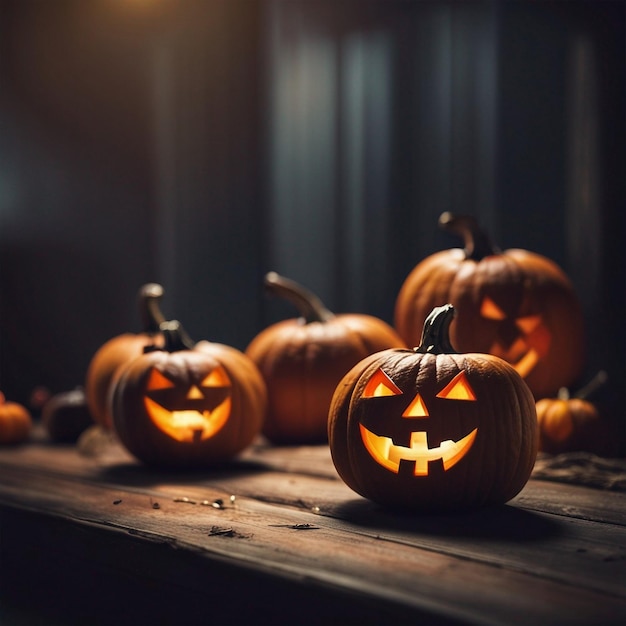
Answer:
[(277, 538)]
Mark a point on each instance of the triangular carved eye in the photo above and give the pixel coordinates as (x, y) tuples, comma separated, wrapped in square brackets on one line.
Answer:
[(458, 389), (217, 378), (380, 385), (158, 381), (491, 310)]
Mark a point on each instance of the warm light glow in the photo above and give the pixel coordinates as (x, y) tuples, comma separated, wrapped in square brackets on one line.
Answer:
[(195, 415), (158, 381), (528, 324), (386, 453), (417, 408), (491, 310), (527, 363), (217, 378), (529, 348), (458, 389), (380, 385), (188, 425)]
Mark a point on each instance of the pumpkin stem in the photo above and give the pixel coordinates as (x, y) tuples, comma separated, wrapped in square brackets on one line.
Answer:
[(149, 297), (477, 243), (436, 333), (308, 304), (593, 385), (175, 337)]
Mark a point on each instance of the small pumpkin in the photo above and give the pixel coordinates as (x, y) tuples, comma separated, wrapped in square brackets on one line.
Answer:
[(432, 430), (573, 423), (514, 304), (302, 360), (16, 422), (119, 350), (187, 405), (65, 416)]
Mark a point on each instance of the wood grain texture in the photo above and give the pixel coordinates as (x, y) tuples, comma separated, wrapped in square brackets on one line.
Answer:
[(307, 548)]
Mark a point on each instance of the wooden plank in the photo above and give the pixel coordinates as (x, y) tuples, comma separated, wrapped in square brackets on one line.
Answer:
[(315, 461), (474, 563), (267, 539)]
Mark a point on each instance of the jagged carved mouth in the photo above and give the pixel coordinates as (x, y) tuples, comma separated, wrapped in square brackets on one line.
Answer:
[(386, 453), (189, 424), (523, 359)]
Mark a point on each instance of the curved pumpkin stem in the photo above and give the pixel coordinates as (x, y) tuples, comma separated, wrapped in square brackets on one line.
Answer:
[(150, 314), (308, 304), (598, 381), (477, 243), (436, 333), (175, 337)]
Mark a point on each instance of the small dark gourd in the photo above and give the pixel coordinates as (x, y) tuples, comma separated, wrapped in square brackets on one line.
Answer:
[(119, 350), (16, 423), (573, 423), (514, 304), (65, 416), (185, 405), (432, 430), (303, 359)]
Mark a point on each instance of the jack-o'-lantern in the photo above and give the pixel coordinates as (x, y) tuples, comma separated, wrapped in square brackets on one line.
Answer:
[(302, 360), (16, 422), (186, 405), (119, 350), (573, 423), (430, 430), (514, 304)]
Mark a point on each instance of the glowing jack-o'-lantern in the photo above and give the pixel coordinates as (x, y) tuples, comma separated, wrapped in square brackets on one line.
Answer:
[(186, 404), (189, 413), (514, 304), (433, 430)]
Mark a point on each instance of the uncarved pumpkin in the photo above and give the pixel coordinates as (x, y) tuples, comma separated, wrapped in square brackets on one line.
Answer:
[(302, 360), (573, 423), (65, 416), (119, 350), (431, 430), (16, 422), (187, 405), (514, 304)]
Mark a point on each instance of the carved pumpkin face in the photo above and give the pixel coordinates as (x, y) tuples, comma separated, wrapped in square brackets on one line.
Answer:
[(382, 448), (189, 412), (514, 304), (518, 333), (429, 430), (188, 404)]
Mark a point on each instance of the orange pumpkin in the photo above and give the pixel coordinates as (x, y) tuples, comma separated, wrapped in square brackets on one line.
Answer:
[(119, 350), (514, 304), (302, 360), (429, 429), (16, 422), (182, 405), (574, 423)]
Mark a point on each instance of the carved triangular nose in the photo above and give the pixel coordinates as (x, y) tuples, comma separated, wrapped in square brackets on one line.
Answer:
[(194, 393), (417, 408)]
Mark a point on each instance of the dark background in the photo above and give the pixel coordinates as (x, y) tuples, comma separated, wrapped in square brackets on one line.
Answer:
[(201, 143)]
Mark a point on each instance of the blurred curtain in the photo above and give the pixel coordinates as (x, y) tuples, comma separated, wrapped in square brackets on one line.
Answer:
[(380, 119)]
